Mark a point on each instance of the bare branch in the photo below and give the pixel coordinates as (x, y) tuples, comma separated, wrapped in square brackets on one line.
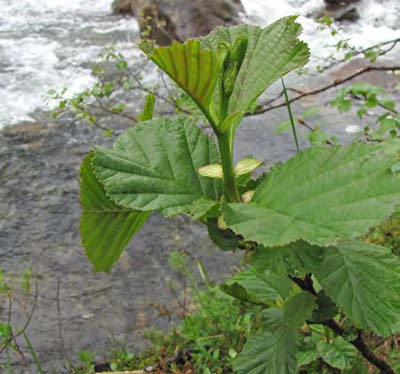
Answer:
[(336, 83)]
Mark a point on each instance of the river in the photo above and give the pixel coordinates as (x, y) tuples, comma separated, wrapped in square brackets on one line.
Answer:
[(50, 44)]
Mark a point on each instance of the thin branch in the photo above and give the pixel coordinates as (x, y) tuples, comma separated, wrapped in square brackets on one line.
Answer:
[(359, 98), (336, 83), (103, 107), (393, 43)]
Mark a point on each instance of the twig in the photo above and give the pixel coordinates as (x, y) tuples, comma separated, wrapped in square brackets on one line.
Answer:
[(362, 51), (359, 98), (306, 284), (336, 83), (102, 106), (310, 128)]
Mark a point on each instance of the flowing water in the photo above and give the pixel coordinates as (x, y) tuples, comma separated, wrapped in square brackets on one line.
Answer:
[(49, 44)]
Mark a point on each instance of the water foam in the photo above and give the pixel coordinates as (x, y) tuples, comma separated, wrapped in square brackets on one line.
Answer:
[(48, 43)]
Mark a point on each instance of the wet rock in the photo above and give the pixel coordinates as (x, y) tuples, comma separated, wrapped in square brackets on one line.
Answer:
[(339, 10), (340, 2), (349, 13), (168, 20), (122, 7)]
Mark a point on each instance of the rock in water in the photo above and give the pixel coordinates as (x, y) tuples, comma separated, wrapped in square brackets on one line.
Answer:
[(122, 7), (167, 20), (339, 10)]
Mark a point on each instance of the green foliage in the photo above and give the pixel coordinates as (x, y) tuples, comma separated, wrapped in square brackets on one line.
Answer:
[(330, 194), (387, 124), (362, 279), (154, 166), (339, 353), (195, 70), (303, 222), (274, 350), (270, 53), (148, 109), (266, 286), (101, 216), (17, 305)]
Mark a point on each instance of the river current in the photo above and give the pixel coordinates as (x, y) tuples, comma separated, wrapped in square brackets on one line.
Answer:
[(49, 44)]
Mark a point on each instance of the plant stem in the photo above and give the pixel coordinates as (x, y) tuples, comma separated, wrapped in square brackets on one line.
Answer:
[(33, 353), (307, 285), (225, 145), (290, 116)]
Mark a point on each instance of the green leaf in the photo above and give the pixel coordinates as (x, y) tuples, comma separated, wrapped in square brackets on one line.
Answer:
[(270, 53), (362, 279), (193, 68), (318, 137), (274, 350), (281, 260), (232, 121), (270, 352), (226, 240), (284, 126), (106, 228), (266, 285), (322, 196), (148, 109), (326, 308), (203, 208), (212, 171), (311, 112), (154, 166), (246, 166), (339, 353), (305, 357), (240, 293), (298, 309)]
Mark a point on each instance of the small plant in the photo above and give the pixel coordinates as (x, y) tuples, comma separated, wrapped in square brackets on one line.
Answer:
[(17, 307), (301, 224)]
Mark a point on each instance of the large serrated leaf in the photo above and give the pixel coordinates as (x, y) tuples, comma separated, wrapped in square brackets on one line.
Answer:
[(298, 309), (154, 166), (194, 69), (338, 353), (271, 53), (106, 228), (266, 285), (274, 350), (362, 279), (266, 55), (270, 352), (322, 196)]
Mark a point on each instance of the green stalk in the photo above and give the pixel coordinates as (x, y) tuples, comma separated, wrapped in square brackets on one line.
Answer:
[(225, 145), (291, 116), (33, 353)]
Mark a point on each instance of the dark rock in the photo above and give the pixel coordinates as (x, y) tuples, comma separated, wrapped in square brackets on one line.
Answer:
[(340, 2), (167, 20), (339, 10), (349, 13), (122, 7)]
